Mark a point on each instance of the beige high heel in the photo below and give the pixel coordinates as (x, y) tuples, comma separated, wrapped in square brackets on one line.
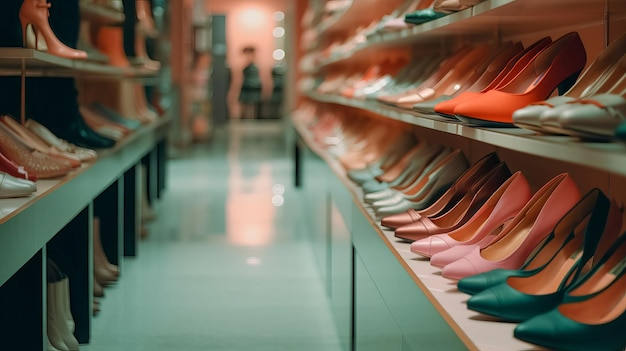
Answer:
[(35, 13)]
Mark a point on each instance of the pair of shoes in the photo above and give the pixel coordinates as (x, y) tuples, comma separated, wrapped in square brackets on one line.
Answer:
[(460, 212), (481, 79), (435, 180), (60, 323), (592, 313), (456, 192), (563, 258), (482, 228), (83, 154), (33, 161), (557, 65), (518, 237), (515, 64), (557, 115)]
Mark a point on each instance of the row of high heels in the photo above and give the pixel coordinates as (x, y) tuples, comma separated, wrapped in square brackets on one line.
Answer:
[(34, 20), (553, 261), (408, 14), (506, 85)]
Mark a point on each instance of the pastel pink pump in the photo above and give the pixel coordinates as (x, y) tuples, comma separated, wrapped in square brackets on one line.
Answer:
[(531, 225)]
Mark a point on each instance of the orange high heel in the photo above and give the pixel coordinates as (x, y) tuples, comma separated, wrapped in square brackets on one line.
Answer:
[(35, 13)]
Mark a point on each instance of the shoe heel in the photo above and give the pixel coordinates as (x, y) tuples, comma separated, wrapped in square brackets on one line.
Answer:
[(24, 23), (568, 83)]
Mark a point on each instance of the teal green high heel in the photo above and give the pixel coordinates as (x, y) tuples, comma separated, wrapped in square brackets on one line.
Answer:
[(547, 251), (521, 298), (592, 316)]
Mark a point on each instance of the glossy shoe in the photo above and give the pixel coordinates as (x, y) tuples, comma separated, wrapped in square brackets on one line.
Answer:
[(520, 298), (515, 65), (450, 197), (461, 212), (501, 207), (532, 225), (592, 315), (15, 187), (35, 13), (544, 255), (557, 65), (599, 77)]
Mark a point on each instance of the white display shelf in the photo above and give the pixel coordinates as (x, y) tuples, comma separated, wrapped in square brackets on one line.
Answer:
[(27, 223), (42, 64), (477, 331), (604, 156), (488, 19)]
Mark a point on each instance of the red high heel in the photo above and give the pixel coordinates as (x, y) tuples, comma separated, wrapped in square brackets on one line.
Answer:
[(35, 13)]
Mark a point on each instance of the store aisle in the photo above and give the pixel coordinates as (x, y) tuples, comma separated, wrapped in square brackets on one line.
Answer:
[(226, 265)]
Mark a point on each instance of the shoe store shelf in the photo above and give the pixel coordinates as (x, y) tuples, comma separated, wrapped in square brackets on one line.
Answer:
[(42, 64), (472, 330), (610, 157), (502, 18), (28, 223)]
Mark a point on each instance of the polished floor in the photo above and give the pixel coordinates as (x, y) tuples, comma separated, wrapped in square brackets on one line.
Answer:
[(226, 265)]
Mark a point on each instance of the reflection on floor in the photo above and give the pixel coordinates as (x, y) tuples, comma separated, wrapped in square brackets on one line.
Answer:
[(226, 265)]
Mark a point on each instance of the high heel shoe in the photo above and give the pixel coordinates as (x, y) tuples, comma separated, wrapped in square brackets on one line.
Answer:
[(35, 13), (500, 208), (601, 75), (451, 197), (558, 65), (531, 225), (432, 185), (515, 65), (549, 248), (580, 230), (461, 212), (592, 315)]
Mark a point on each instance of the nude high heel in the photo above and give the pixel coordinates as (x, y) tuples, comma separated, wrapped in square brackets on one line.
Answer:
[(35, 13)]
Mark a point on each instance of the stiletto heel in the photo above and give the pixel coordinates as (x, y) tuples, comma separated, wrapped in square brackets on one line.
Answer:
[(568, 83), (35, 13)]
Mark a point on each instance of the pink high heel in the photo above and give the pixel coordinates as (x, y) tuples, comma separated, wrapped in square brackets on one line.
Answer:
[(502, 206), (35, 13), (531, 225)]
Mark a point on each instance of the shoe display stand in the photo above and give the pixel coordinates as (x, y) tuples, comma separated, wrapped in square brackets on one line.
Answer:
[(56, 221), (383, 296)]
